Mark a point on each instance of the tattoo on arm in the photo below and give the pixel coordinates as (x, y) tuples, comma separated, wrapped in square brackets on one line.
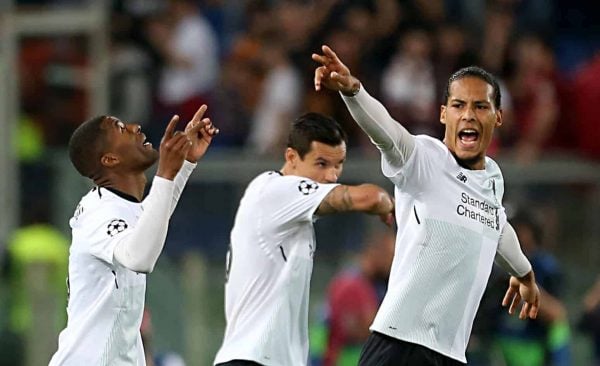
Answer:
[(338, 200)]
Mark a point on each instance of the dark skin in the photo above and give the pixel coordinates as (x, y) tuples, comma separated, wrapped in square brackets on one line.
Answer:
[(127, 156)]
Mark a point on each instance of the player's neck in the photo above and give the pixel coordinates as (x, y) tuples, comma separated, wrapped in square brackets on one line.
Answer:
[(286, 169), (477, 163), (131, 184)]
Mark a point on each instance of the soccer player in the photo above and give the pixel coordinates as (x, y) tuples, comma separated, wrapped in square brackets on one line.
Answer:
[(117, 237), (273, 242), (449, 200)]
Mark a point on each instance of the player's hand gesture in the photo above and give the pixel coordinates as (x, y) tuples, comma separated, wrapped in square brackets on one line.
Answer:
[(200, 131), (525, 290), (174, 147), (389, 217), (333, 74)]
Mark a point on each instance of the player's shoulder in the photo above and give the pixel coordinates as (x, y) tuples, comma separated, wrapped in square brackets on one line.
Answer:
[(492, 168), (278, 188), (97, 204), (275, 180), (430, 144)]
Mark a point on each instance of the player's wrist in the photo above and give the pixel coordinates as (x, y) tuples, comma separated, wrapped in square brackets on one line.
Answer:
[(528, 279), (170, 175), (354, 88)]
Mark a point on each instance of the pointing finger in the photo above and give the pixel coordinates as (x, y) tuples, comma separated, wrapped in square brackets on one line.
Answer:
[(198, 125), (319, 73), (320, 59), (200, 112), (171, 127), (329, 52)]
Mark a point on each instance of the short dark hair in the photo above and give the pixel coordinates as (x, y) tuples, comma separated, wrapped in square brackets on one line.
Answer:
[(85, 146), (477, 72), (314, 127)]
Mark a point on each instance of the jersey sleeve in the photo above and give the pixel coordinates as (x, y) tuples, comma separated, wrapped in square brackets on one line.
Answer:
[(394, 142), (293, 199), (180, 181), (420, 167)]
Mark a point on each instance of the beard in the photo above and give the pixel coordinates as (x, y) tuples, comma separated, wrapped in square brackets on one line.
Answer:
[(467, 163), (149, 159)]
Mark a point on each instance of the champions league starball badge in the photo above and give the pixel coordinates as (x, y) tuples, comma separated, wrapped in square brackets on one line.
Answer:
[(307, 187), (116, 226)]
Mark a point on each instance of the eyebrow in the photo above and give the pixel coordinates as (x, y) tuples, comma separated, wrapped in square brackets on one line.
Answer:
[(321, 159), (456, 100)]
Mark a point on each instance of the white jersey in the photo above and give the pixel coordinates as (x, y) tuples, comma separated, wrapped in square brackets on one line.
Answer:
[(269, 268), (106, 300), (449, 224)]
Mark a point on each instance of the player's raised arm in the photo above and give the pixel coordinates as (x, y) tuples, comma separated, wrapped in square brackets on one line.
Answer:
[(140, 250), (390, 137), (367, 198), (200, 130)]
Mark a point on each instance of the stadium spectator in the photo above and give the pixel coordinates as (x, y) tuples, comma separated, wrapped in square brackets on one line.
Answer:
[(408, 84), (155, 358), (586, 91), (189, 50), (117, 238), (37, 256), (279, 99), (449, 202), (590, 320), (537, 92), (545, 340), (353, 297), (273, 243)]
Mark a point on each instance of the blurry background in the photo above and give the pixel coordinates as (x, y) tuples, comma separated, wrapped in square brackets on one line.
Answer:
[(63, 61)]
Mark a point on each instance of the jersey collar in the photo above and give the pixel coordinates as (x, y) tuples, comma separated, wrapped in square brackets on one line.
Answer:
[(124, 196)]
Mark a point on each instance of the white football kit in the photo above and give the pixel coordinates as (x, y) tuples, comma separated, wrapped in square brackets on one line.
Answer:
[(450, 222), (106, 299), (269, 269)]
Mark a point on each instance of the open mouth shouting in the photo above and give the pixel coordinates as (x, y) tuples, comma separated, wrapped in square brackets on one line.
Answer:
[(146, 144), (468, 138)]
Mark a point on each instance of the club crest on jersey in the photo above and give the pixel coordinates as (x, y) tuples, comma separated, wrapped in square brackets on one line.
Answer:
[(116, 226), (307, 187)]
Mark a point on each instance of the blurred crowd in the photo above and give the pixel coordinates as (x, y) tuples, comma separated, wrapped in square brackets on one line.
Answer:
[(250, 61)]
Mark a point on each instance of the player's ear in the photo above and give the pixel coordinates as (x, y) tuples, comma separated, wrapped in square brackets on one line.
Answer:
[(498, 118), (109, 160), (291, 157), (443, 114)]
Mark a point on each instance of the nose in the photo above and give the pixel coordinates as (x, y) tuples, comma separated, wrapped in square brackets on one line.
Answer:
[(332, 176), (468, 114), (134, 128)]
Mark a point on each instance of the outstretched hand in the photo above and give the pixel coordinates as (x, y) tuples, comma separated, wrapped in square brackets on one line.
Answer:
[(174, 147), (200, 131), (333, 74), (524, 290)]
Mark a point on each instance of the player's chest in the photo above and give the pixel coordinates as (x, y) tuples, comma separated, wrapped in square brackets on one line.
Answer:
[(471, 202)]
